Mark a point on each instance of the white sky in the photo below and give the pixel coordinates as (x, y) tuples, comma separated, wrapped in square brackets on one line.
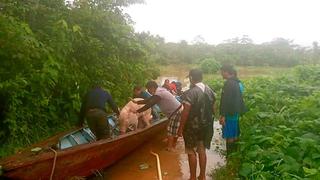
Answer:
[(218, 20)]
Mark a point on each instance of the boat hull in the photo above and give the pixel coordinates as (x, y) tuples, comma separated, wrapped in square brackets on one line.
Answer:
[(82, 160)]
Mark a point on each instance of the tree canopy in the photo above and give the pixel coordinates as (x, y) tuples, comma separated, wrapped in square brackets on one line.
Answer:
[(240, 51), (51, 52)]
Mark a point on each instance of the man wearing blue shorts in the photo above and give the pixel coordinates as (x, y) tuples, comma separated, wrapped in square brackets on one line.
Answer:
[(231, 106)]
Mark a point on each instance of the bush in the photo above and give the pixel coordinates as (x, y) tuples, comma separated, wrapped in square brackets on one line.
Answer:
[(210, 65)]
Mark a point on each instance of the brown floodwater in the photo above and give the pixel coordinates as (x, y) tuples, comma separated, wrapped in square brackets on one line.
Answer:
[(141, 164)]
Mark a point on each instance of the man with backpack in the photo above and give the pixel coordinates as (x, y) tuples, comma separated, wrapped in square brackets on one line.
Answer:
[(196, 124)]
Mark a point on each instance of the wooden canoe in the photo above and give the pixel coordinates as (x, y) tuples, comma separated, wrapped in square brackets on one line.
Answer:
[(79, 161)]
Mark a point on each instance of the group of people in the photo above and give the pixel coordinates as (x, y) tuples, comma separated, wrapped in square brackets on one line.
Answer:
[(192, 118), (174, 87)]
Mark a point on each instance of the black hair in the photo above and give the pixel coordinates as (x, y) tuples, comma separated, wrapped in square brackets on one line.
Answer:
[(229, 69), (195, 75), (151, 84), (138, 87)]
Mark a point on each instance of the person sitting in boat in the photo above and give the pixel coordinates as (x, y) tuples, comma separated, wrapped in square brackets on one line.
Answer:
[(139, 92), (169, 105), (93, 109), (173, 87), (179, 88)]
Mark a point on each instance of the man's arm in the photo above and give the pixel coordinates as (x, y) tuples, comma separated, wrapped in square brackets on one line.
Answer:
[(82, 111), (222, 120), (144, 101), (184, 117), (214, 108), (112, 104), (227, 98), (149, 103)]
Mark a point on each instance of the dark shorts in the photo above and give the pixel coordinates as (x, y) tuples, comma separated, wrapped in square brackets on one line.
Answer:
[(97, 122)]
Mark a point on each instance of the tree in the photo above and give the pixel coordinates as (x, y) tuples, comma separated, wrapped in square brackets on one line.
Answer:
[(210, 65)]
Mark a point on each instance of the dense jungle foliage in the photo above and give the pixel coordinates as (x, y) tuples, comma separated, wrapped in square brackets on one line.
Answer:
[(280, 134), (242, 51), (52, 52)]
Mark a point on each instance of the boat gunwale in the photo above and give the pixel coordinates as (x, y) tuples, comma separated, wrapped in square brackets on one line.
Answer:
[(44, 156)]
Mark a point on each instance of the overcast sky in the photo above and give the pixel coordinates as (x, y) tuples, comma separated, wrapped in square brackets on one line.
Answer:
[(218, 20)]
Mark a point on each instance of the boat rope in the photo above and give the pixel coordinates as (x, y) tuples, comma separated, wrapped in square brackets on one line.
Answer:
[(97, 173), (54, 162), (158, 165)]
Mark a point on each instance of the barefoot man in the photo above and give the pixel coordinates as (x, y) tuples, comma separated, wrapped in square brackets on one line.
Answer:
[(197, 122), (169, 105)]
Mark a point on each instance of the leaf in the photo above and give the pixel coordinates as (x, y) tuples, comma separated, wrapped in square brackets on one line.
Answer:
[(76, 28), (246, 169), (315, 156), (310, 172)]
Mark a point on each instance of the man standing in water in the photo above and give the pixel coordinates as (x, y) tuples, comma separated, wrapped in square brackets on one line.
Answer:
[(169, 105), (197, 122), (231, 106), (94, 110)]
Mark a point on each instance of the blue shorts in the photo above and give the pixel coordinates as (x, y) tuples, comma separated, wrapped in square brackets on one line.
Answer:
[(231, 128)]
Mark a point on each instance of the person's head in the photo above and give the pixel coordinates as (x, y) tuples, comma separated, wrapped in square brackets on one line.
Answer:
[(228, 71), (96, 83), (152, 87), (195, 76), (137, 90)]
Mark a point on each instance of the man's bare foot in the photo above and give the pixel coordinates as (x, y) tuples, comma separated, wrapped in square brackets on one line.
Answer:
[(201, 178)]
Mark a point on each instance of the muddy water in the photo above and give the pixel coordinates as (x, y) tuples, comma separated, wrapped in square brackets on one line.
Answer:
[(140, 164)]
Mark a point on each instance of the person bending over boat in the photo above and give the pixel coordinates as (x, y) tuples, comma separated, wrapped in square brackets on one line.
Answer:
[(93, 109), (169, 105)]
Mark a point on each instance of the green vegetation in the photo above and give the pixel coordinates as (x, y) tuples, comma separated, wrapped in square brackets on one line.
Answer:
[(280, 134), (239, 51), (210, 65), (51, 53)]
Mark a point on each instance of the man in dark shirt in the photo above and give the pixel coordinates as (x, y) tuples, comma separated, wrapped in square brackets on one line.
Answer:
[(94, 110), (197, 122)]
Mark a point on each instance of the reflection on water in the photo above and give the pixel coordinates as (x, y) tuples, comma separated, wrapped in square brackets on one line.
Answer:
[(140, 164)]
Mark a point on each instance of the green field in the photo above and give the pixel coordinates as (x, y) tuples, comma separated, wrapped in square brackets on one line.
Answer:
[(280, 132), (244, 72)]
